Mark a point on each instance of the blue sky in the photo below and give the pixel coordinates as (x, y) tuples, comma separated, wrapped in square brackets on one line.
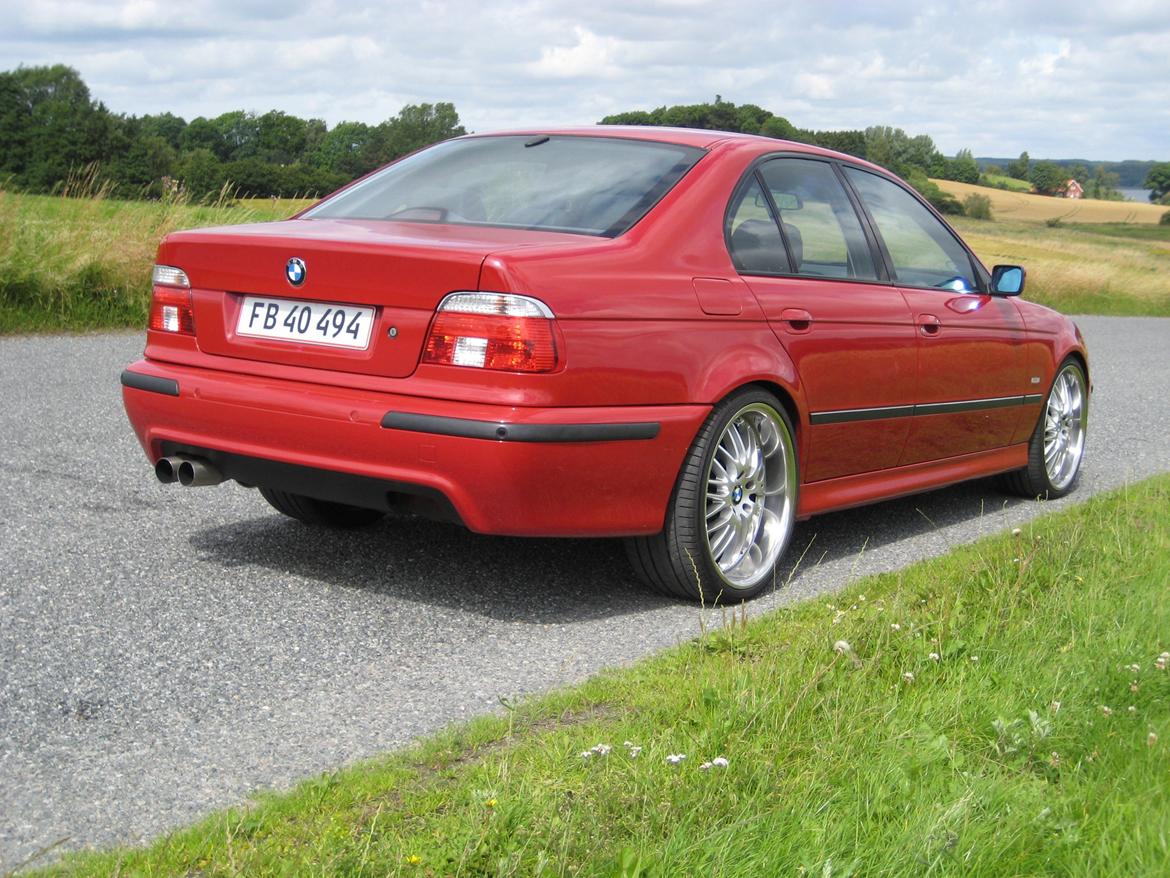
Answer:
[(1087, 80)]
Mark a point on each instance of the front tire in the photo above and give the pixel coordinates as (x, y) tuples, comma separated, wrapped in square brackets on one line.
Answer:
[(733, 508), (1057, 446), (319, 512)]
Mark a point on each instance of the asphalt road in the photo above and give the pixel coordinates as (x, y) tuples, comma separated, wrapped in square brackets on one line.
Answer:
[(165, 652)]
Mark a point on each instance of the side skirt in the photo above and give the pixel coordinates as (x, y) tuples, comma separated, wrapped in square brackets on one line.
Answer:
[(858, 490)]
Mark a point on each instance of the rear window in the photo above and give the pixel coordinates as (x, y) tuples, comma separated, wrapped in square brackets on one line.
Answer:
[(587, 185)]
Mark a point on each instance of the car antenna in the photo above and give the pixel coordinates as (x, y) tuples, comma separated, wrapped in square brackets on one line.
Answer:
[(536, 141)]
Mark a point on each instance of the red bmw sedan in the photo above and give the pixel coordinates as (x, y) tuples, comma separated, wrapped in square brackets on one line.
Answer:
[(689, 339)]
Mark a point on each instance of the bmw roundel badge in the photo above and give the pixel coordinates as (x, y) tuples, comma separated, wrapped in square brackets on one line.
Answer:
[(295, 271)]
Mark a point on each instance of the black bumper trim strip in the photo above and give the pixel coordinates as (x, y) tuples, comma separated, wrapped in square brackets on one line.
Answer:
[(152, 383), (502, 432), (929, 408)]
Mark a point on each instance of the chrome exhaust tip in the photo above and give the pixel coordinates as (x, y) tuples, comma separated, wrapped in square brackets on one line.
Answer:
[(167, 469), (194, 473)]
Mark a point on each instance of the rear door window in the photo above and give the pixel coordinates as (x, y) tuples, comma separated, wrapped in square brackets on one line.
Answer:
[(818, 221)]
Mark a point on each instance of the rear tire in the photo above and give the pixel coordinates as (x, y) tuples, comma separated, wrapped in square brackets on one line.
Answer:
[(1057, 446), (319, 512), (732, 510)]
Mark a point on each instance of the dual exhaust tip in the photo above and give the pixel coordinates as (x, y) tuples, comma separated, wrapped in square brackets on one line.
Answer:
[(190, 472)]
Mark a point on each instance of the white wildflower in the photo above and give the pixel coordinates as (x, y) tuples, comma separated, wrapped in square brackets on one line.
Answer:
[(1054, 707), (601, 749), (1107, 710), (908, 677), (1134, 669), (719, 762), (934, 656), (1151, 739), (676, 758), (895, 627), (705, 766), (1016, 531), (586, 754), (842, 647), (975, 659), (1132, 709)]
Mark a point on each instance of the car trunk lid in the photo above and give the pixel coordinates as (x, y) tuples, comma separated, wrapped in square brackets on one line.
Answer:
[(401, 270)]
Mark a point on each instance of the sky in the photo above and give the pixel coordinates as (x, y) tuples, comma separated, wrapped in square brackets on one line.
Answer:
[(1060, 79)]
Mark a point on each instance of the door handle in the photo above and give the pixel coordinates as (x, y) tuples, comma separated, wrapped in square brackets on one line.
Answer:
[(798, 319), (928, 324)]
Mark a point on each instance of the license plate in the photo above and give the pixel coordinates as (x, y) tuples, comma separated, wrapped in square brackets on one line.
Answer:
[(342, 326)]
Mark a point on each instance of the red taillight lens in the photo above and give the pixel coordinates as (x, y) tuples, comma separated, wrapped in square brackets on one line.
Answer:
[(170, 301), (493, 331), (170, 311)]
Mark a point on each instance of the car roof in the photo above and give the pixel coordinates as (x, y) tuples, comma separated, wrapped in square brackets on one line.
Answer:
[(696, 137)]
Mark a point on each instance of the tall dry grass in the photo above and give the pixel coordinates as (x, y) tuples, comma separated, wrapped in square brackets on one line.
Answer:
[(1086, 269), (81, 260)]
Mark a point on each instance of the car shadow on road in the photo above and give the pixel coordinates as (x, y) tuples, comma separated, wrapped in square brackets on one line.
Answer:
[(542, 581)]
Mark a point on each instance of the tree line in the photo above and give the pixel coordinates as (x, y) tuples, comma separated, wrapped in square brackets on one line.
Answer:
[(50, 127)]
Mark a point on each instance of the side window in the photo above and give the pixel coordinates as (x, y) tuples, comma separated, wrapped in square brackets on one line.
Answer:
[(823, 232), (924, 252), (753, 237)]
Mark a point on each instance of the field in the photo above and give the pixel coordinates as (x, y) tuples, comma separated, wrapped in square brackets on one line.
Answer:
[(1103, 269), (84, 263), (1003, 710), (1024, 207)]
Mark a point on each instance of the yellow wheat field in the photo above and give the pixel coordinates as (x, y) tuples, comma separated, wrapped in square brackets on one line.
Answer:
[(1038, 208)]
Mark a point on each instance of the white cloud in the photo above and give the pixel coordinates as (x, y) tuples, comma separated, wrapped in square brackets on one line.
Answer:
[(997, 76)]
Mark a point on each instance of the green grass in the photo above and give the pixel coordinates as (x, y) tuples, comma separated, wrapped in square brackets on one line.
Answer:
[(84, 263), (876, 759), (1009, 183)]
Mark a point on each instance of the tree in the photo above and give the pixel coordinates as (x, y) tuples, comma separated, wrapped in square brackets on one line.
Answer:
[(56, 126), (1020, 168), (1158, 181), (201, 172), (341, 150), (964, 168), (1048, 179)]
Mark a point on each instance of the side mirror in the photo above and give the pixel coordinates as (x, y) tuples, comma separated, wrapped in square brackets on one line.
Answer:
[(1007, 280)]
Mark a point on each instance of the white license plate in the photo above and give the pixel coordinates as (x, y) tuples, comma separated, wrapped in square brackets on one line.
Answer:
[(342, 326)]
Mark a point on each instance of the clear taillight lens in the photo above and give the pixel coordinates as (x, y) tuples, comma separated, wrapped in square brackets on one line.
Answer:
[(170, 301), (493, 331)]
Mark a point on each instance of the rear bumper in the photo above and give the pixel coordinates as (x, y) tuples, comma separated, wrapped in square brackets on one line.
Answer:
[(598, 471)]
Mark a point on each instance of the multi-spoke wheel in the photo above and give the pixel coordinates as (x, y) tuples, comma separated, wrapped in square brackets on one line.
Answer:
[(1057, 446), (733, 508)]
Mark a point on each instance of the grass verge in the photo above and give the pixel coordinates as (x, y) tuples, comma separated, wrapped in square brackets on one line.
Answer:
[(997, 711)]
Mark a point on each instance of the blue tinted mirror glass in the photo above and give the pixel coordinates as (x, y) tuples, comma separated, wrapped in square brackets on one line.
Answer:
[(1010, 280)]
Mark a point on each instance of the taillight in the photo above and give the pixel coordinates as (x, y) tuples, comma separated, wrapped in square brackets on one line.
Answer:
[(493, 331), (170, 301)]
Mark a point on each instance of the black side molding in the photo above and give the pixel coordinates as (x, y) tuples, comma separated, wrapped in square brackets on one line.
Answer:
[(928, 408), (153, 383), (501, 432)]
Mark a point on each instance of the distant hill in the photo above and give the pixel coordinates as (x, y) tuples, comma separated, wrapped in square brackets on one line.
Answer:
[(1131, 173)]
